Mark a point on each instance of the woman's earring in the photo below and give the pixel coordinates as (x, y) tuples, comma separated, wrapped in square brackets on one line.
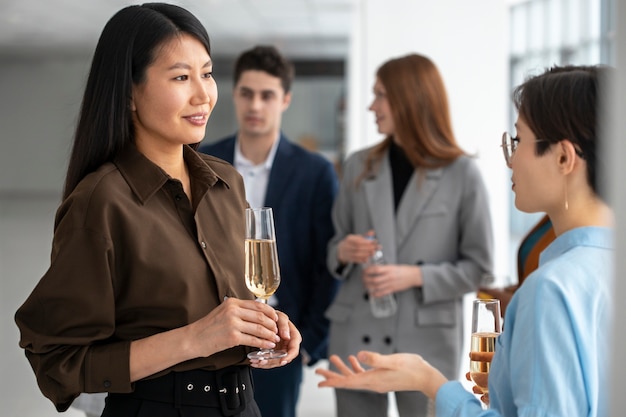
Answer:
[(566, 202)]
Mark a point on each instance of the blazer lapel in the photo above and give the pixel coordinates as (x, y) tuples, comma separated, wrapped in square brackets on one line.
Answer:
[(280, 174), (228, 151), (414, 200), (379, 196)]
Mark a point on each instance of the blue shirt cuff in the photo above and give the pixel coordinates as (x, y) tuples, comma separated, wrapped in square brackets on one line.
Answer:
[(454, 400)]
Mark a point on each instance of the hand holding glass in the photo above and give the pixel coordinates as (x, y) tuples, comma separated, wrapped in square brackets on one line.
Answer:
[(485, 329), (262, 272)]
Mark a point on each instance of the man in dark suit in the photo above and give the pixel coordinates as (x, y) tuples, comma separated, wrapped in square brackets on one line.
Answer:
[(300, 186)]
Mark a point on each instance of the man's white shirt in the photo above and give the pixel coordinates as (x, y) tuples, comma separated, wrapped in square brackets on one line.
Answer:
[(255, 177)]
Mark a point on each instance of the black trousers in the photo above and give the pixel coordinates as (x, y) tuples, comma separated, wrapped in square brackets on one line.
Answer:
[(223, 393), (277, 390)]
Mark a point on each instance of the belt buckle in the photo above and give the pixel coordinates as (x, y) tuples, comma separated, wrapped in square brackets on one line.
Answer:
[(231, 392)]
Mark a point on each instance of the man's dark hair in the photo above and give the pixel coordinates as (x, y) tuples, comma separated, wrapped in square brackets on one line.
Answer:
[(266, 59)]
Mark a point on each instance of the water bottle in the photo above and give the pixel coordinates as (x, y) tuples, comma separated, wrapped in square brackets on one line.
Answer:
[(385, 306)]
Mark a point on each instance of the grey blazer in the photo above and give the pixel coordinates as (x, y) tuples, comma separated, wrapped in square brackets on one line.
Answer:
[(442, 224)]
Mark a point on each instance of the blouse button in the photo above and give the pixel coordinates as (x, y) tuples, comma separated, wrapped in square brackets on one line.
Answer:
[(203, 244), (178, 197), (387, 340), (366, 339)]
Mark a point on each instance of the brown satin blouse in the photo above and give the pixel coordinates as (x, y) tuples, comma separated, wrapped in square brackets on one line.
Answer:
[(132, 257)]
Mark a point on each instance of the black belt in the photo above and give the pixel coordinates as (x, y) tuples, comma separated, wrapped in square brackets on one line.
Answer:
[(229, 389)]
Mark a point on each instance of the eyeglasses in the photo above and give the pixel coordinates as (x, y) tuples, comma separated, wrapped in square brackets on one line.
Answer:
[(509, 146)]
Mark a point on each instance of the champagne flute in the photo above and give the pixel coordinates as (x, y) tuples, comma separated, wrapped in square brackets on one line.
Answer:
[(485, 329), (262, 273)]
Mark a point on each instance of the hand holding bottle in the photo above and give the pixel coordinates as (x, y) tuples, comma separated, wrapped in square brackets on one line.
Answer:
[(386, 305), (355, 249)]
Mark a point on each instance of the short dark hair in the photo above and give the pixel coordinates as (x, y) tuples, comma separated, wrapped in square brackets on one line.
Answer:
[(127, 46), (564, 103), (266, 59)]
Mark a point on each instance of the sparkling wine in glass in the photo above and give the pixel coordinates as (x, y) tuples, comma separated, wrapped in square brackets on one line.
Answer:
[(262, 273), (485, 329)]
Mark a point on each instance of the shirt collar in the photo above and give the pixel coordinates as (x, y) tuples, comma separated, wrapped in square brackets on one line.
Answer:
[(241, 160), (590, 236), (145, 178)]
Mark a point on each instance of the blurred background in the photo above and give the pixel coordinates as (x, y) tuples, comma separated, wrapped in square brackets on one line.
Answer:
[(483, 49)]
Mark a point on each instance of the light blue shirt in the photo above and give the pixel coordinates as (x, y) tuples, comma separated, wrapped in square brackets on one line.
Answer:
[(551, 359)]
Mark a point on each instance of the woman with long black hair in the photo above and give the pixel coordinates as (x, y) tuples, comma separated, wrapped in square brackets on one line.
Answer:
[(145, 296)]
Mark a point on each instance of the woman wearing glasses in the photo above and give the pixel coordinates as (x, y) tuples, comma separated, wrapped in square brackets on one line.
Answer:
[(551, 358)]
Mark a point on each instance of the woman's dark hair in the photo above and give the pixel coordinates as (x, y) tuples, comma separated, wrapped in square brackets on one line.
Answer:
[(419, 105), (564, 103), (127, 46), (266, 59)]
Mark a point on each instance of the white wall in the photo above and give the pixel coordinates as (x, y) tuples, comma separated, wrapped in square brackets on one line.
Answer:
[(617, 172), (40, 98), (467, 40)]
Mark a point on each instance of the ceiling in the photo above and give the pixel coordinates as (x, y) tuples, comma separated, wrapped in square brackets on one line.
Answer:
[(299, 28)]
